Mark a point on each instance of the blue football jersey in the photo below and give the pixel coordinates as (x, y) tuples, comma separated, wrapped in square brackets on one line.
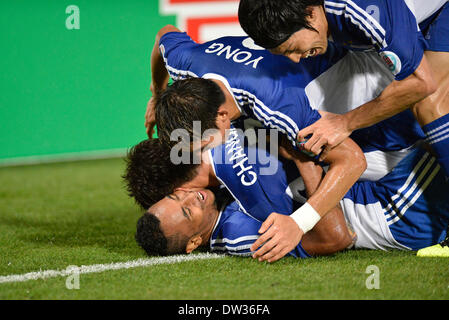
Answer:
[(257, 180), (393, 134), (406, 209), (387, 26), (265, 87), (272, 89), (258, 183), (235, 232)]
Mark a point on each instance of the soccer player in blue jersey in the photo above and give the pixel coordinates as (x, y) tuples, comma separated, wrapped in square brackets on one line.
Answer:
[(192, 216), (418, 56), (405, 210), (181, 209), (258, 85), (250, 86)]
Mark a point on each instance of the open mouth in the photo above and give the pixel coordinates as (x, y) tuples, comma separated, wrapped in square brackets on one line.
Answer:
[(202, 196)]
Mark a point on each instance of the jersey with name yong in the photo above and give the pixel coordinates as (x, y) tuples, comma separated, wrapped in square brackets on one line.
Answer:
[(387, 26), (266, 87)]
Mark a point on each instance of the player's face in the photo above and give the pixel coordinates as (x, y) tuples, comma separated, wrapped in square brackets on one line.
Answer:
[(186, 211), (306, 43)]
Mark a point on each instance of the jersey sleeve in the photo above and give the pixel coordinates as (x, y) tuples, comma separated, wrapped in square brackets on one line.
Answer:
[(288, 112), (176, 48), (238, 235), (387, 25)]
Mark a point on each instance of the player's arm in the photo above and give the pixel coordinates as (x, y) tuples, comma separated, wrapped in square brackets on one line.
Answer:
[(330, 234), (392, 29), (159, 77), (331, 129), (280, 234)]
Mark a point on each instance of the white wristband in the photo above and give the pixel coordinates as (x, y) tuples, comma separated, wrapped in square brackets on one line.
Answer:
[(306, 217)]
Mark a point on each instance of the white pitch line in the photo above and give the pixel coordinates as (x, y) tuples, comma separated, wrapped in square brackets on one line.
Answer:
[(96, 268)]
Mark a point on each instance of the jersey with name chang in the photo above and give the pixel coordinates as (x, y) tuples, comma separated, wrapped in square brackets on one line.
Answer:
[(259, 182), (260, 185), (387, 26), (265, 87)]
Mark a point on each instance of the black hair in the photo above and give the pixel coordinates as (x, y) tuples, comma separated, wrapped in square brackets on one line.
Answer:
[(150, 174), (184, 102), (152, 239), (271, 22)]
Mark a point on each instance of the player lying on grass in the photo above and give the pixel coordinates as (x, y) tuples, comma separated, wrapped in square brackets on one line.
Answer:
[(179, 228), (259, 85), (195, 99), (203, 100), (279, 92), (418, 56), (406, 210)]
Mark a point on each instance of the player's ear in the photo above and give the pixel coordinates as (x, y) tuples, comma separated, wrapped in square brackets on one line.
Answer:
[(222, 114), (193, 243), (223, 120)]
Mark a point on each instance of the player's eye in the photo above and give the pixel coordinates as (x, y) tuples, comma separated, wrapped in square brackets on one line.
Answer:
[(187, 213), (310, 53)]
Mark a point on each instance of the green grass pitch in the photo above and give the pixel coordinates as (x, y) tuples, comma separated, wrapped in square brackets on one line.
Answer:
[(56, 215)]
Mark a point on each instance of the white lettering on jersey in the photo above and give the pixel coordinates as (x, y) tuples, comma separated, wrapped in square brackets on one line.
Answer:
[(233, 145), (236, 55)]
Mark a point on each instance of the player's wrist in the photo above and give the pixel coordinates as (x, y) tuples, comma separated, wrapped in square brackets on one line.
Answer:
[(306, 217), (349, 122), (157, 86)]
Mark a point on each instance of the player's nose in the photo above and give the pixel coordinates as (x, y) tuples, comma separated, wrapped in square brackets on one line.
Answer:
[(295, 57), (185, 195), (182, 193)]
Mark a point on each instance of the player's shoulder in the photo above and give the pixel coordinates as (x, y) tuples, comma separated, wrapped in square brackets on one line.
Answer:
[(174, 35), (357, 9), (348, 4), (236, 223), (235, 232)]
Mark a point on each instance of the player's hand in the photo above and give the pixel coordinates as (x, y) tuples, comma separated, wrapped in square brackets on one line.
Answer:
[(327, 133), (280, 235), (150, 117)]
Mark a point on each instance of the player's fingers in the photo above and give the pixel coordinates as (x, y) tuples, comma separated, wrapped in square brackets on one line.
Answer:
[(266, 224), (268, 246), (259, 247), (318, 146), (271, 253), (325, 152), (311, 142), (150, 131), (302, 134), (259, 242)]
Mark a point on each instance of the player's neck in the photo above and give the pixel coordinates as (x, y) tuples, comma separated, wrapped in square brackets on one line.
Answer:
[(208, 234), (205, 177), (230, 103)]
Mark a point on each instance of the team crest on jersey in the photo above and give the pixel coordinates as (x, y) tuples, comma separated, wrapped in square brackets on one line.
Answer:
[(392, 60)]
